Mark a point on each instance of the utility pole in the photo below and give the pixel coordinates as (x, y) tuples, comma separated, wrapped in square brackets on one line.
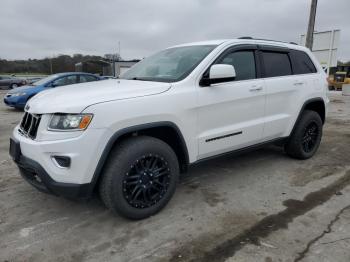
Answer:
[(113, 64), (119, 49), (116, 58), (50, 59), (311, 26)]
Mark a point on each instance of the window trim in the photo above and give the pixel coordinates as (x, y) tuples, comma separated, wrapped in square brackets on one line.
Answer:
[(237, 48), (293, 57), (273, 49)]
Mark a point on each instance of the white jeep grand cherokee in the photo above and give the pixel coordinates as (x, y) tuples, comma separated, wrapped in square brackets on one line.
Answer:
[(130, 138)]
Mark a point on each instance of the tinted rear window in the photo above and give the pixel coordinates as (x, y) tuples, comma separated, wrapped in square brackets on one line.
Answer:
[(302, 63), (276, 64)]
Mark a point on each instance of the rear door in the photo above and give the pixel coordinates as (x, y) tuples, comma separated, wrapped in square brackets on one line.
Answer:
[(231, 114), (281, 90), (289, 76)]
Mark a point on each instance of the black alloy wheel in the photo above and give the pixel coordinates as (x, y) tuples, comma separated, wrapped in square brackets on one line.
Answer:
[(306, 136), (139, 177), (147, 181), (310, 137)]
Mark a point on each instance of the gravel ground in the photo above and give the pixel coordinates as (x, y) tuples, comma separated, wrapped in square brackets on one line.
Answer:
[(260, 206)]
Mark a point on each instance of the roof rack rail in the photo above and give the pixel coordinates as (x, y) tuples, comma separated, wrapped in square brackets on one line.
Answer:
[(245, 37), (262, 39)]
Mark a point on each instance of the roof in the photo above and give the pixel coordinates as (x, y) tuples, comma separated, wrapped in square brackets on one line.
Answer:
[(209, 42), (72, 73), (245, 41)]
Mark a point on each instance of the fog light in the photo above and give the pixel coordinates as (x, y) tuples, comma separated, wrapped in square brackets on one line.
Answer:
[(62, 161)]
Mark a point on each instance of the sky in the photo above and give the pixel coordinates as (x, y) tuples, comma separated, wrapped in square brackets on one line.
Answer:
[(47, 28)]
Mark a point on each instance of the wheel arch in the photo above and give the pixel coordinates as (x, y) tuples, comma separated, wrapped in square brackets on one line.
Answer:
[(165, 131), (316, 104)]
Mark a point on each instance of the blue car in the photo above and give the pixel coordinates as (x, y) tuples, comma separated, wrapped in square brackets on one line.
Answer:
[(18, 97)]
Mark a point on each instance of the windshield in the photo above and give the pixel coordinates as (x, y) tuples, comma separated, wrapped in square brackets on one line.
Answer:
[(44, 80), (169, 65)]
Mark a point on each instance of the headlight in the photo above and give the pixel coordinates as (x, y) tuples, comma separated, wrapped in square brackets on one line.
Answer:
[(18, 94), (69, 122)]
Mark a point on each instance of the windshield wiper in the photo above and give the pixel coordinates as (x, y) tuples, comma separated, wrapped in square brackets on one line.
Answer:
[(147, 78), (139, 78)]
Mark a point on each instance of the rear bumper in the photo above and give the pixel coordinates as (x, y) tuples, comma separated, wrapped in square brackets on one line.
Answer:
[(36, 175)]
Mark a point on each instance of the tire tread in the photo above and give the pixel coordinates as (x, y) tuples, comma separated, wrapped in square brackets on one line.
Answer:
[(293, 147)]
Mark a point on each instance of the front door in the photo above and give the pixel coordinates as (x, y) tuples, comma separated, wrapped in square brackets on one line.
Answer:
[(231, 114)]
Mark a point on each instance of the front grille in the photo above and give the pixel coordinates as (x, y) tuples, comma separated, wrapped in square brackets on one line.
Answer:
[(29, 125)]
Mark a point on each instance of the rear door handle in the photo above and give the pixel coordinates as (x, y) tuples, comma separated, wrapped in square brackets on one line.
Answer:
[(298, 83), (255, 88)]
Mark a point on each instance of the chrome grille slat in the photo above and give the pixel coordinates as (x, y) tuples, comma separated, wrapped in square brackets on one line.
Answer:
[(28, 122), (29, 125), (24, 119)]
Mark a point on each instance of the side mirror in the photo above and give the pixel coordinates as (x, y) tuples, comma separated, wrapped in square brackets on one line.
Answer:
[(219, 73)]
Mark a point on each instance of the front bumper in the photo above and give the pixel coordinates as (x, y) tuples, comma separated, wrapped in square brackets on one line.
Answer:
[(14, 102), (35, 159), (37, 176), (83, 148)]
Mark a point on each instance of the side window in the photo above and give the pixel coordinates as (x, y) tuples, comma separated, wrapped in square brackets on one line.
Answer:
[(276, 64), (243, 62), (67, 80), (87, 78), (302, 63), (71, 80)]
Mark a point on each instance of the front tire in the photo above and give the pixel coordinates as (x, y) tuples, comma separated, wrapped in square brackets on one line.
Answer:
[(140, 177), (306, 137), (12, 86)]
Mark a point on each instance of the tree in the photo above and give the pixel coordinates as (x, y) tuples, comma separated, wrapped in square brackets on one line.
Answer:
[(113, 57)]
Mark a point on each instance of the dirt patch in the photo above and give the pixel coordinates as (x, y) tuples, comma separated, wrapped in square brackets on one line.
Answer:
[(211, 197), (207, 241), (333, 155), (337, 101), (195, 250), (337, 122), (303, 176)]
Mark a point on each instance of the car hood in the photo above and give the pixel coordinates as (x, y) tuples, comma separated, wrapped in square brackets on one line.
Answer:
[(75, 98), (22, 89)]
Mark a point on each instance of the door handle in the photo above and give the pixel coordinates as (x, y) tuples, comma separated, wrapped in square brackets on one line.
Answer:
[(255, 88), (298, 83)]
